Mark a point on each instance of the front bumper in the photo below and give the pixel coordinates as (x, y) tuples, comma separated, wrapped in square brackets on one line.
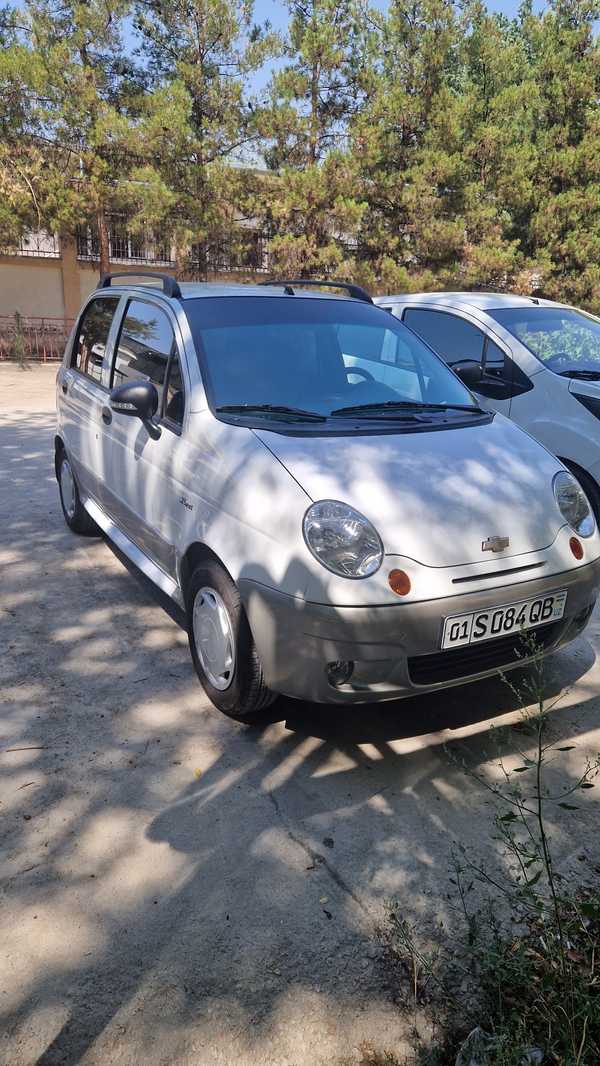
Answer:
[(396, 648)]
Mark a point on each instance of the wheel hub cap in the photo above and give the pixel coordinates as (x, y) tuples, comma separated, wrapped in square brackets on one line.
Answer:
[(213, 637), (67, 487)]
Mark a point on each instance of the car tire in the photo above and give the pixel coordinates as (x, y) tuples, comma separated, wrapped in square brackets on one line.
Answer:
[(221, 644), (75, 514)]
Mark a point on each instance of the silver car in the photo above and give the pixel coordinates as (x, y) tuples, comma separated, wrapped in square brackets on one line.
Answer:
[(339, 518)]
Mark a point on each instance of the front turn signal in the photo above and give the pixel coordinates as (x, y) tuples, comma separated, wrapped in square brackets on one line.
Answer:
[(399, 582)]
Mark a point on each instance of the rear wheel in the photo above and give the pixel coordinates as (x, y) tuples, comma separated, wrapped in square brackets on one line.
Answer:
[(221, 644), (73, 510)]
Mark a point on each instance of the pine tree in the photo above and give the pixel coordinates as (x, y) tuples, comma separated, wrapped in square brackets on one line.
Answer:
[(314, 209), (198, 128), (76, 87), (565, 223), (407, 140)]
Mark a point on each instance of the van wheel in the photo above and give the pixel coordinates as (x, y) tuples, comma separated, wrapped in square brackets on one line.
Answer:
[(75, 513), (223, 651)]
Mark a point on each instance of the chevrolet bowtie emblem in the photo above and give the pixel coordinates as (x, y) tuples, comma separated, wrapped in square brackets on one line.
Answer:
[(495, 544)]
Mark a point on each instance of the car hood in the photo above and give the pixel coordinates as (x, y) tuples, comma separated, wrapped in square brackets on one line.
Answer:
[(434, 496)]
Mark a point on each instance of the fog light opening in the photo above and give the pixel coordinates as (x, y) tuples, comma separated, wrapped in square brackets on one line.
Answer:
[(399, 582), (576, 547), (339, 672)]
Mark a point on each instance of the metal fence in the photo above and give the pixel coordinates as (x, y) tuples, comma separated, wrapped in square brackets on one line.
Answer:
[(40, 245), (37, 339)]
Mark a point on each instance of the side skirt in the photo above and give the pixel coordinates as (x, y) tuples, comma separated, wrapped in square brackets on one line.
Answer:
[(135, 554)]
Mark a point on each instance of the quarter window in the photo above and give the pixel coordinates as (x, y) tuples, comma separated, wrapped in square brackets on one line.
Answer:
[(92, 337), (494, 360), (145, 344), (174, 393)]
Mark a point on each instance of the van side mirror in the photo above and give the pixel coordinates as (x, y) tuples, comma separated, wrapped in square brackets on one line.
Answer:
[(137, 399), (469, 371)]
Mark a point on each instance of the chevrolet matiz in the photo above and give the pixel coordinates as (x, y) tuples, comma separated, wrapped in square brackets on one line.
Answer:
[(338, 517)]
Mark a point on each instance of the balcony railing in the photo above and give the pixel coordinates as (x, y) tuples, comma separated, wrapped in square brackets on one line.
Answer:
[(39, 245), (124, 247)]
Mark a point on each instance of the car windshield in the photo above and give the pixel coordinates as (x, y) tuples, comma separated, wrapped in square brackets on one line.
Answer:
[(314, 356), (564, 340)]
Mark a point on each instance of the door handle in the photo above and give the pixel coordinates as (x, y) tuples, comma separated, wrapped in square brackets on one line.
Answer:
[(107, 415), (65, 387)]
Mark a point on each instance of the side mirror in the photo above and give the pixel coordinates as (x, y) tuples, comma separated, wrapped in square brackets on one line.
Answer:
[(469, 372), (137, 399)]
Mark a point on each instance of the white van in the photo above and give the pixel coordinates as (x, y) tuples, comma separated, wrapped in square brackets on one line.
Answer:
[(339, 518), (531, 359)]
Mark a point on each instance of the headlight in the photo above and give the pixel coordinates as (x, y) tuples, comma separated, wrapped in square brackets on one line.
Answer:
[(342, 539), (573, 504)]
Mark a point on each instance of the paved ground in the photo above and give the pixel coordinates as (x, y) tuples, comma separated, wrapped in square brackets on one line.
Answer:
[(181, 889)]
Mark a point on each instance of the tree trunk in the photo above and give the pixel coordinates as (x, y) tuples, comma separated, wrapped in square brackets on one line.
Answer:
[(314, 115), (103, 241), (182, 255)]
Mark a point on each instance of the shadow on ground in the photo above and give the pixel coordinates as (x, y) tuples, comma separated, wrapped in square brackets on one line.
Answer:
[(179, 888)]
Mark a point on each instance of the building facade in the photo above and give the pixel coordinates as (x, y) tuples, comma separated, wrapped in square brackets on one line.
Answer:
[(48, 276)]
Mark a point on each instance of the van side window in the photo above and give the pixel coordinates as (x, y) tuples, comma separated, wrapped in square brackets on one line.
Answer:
[(145, 343), (92, 336), (450, 336)]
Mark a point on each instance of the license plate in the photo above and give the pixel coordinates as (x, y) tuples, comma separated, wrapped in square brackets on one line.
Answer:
[(499, 621)]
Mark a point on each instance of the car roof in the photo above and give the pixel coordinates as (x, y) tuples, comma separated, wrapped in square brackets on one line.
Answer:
[(485, 301), (192, 290)]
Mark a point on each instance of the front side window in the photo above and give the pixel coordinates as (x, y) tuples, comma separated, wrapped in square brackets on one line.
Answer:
[(564, 340), (92, 336), (145, 344), (452, 337), (314, 355)]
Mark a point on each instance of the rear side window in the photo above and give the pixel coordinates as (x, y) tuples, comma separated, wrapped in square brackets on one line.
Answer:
[(450, 336), (92, 337), (145, 344)]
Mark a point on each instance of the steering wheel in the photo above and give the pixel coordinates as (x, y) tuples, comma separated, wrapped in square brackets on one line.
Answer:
[(360, 372), (559, 359)]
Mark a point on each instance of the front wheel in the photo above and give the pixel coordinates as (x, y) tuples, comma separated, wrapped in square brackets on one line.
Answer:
[(221, 644), (73, 510)]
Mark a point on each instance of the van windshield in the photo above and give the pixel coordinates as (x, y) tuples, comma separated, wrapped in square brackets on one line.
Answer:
[(317, 356), (564, 340)]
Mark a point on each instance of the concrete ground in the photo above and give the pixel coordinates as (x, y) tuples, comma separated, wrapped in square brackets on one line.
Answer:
[(178, 888)]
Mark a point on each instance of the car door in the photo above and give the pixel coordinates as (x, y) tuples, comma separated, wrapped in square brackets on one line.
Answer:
[(456, 339), (145, 478), (84, 395)]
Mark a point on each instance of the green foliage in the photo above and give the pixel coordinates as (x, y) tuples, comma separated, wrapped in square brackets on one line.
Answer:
[(316, 210), (432, 145), (198, 122), (520, 966)]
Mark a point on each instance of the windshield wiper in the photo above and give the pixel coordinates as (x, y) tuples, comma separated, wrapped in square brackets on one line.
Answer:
[(269, 409), (401, 405), (584, 375)]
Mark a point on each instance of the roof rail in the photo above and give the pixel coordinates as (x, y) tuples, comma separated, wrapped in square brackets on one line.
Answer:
[(170, 286), (355, 291)]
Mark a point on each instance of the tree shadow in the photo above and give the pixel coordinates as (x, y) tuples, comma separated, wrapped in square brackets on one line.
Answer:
[(182, 888)]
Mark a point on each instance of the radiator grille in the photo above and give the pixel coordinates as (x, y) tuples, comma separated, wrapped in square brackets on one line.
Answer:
[(474, 658)]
